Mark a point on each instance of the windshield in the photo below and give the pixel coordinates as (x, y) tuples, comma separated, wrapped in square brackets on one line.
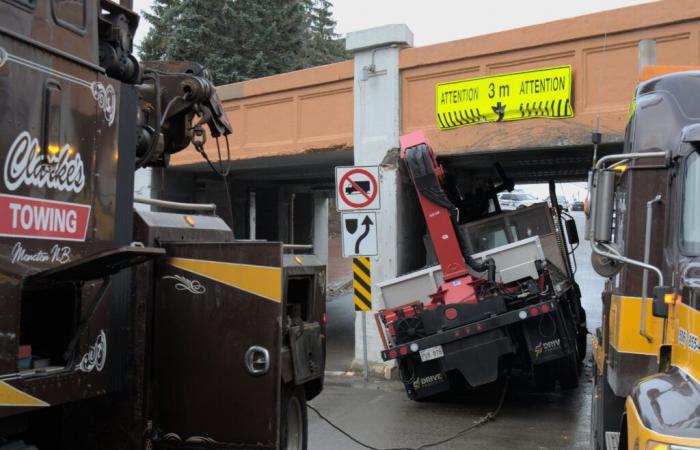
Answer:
[(691, 206), (524, 197)]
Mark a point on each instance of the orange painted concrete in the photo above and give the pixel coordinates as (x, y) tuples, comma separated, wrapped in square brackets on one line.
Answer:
[(312, 110), (288, 114)]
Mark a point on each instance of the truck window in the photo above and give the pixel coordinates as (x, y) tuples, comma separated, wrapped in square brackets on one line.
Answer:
[(70, 14), (690, 227)]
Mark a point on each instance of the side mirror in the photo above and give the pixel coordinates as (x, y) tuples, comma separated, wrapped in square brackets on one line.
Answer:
[(603, 206), (659, 307), (571, 231)]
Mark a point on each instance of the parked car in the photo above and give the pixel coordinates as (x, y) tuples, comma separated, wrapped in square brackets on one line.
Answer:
[(577, 206), (510, 201), (561, 201)]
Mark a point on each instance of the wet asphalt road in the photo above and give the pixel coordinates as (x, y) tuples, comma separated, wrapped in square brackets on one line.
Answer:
[(380, 414)]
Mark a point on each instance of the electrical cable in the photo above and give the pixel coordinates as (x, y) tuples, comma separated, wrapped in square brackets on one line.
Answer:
[(482, 421)]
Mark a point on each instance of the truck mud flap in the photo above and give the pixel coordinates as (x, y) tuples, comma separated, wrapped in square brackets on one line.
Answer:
[(477, 358), (546, 338), (422, 379)]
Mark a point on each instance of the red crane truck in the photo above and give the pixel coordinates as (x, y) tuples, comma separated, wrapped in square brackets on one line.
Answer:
[(502, 296)]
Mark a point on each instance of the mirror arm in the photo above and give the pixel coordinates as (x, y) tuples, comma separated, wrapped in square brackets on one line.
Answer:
[(614, 255)]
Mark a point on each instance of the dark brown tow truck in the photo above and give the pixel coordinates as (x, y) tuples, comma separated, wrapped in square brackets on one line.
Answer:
[(123, 329)]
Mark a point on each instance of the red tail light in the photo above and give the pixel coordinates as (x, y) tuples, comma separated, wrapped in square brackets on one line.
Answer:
[(403, 350), (393, 354), (451, 313), (544, 308), (324, 319), (534, 311)]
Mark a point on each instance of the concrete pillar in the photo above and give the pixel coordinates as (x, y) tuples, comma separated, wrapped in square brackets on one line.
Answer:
[(647, 53), (320, 221), (377, 126)]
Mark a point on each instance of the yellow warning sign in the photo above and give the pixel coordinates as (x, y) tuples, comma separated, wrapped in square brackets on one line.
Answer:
[(362, 284), (540, 93)]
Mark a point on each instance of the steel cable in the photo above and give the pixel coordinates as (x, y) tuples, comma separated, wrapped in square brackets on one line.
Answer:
[(482, 421)]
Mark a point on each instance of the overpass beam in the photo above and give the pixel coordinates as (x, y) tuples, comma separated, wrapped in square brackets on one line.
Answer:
[(377, 125)]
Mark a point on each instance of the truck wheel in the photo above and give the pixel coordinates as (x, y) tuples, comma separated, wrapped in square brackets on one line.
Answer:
[(544, 376), (294, 425), (567, 369)]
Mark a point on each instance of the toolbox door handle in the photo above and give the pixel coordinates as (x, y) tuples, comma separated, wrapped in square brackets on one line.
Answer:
[(257, 360)]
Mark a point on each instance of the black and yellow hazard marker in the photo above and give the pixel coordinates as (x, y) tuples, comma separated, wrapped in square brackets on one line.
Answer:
[(362, 284), (540, 93)]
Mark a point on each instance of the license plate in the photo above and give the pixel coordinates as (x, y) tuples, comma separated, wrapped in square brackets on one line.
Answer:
[(431, 353)]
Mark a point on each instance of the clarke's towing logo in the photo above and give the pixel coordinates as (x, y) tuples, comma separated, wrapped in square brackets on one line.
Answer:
[(59, 169)]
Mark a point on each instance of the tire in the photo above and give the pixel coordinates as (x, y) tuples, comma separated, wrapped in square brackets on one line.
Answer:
[(544, 377), (294, 420), (567, 370)]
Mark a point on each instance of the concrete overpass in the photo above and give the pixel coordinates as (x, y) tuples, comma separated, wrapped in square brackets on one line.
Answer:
[(292, 129)]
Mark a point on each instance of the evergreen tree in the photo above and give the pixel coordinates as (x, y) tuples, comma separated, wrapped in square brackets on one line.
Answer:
[(202, 33), (323, 44), (270, 36), (162, 19), (242, 39)]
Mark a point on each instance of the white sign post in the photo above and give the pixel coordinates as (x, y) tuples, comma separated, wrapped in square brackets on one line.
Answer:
[(357, 192), (359, 234), (357, 188)]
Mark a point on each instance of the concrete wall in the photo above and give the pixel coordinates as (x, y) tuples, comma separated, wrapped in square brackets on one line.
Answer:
[(287, 114)]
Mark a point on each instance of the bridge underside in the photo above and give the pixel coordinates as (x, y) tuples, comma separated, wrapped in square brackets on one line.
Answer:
[(525, 166), (317, 170)]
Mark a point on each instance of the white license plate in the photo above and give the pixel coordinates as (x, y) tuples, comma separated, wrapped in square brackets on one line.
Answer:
[(431, 353)]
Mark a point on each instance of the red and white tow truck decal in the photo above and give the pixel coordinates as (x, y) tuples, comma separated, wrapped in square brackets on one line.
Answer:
[(43, 219), (34, 218)]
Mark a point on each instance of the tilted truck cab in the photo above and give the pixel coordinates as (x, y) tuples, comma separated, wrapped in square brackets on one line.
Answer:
[(644, 225)]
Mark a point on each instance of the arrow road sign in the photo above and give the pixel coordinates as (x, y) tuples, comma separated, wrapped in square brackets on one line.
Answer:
[(359, 234), (357, 188)]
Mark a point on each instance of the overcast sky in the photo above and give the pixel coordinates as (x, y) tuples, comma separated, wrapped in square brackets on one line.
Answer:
[(434, 21)]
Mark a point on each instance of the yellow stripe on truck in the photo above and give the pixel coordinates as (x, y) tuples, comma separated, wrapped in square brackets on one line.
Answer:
[(11, 396), (262, 281), (625, 318)]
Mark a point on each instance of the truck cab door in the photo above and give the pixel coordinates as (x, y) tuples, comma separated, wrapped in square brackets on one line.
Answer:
[(216, 344)]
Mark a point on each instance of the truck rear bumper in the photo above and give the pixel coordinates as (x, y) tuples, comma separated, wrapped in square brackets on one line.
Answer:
[(464, 332)]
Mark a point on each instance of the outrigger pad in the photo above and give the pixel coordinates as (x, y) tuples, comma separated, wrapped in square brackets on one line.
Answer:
[(96, 266)]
